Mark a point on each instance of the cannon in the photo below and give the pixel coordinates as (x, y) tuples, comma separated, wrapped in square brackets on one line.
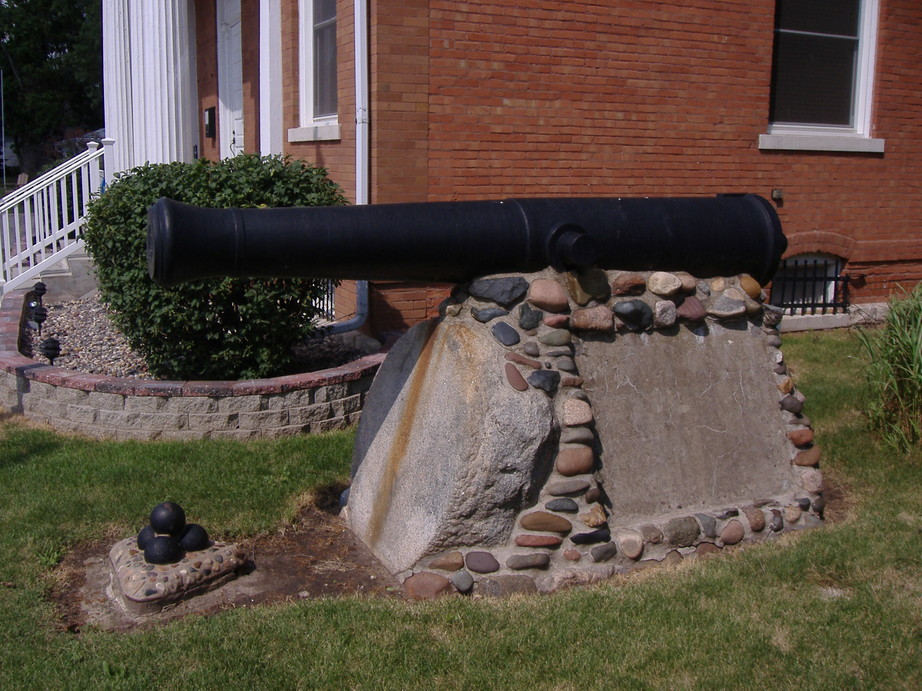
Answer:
[(457, 241)]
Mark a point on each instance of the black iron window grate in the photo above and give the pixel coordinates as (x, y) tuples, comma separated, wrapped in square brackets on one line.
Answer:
[(810, 285)]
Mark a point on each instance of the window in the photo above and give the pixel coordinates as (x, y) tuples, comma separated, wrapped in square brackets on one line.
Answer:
[(822, 76), (810, 284), (318, 86)]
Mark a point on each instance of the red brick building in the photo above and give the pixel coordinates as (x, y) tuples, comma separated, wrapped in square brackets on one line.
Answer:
[(814, 103)]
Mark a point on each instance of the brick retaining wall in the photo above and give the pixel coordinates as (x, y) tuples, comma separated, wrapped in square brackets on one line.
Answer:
[(125, 408)]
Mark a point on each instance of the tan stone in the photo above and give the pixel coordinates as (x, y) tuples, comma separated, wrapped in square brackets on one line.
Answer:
[(689, 282), (548, 294), (786, 385), (576, 413), (812, 480), (664, 284), (595, 517), (792, 513), (630, 542), (756, 519), (598, 318), (808, 458), (575, 460), (718, 284), (750, 286), (545, 522), (732, 533)]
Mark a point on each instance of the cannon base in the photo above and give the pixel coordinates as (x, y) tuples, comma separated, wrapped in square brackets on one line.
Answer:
[(556, 428)]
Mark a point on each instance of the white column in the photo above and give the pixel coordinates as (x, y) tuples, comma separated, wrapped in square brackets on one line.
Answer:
[(149, 87), (270, 77)]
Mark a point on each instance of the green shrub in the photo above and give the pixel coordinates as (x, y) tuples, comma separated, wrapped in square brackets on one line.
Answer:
[(213, 329), (894, 373)]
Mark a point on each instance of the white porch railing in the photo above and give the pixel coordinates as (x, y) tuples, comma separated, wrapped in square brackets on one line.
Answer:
[(40, 223)]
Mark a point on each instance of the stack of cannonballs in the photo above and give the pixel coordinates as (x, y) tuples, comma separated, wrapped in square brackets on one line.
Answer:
[(167, 537)]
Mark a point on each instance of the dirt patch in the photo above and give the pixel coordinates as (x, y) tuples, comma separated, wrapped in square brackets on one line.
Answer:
[(316, 556)]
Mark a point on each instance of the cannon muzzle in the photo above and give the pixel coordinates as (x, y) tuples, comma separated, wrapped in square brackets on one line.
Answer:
[(456, 241)]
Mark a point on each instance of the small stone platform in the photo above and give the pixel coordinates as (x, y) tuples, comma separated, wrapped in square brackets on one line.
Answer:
[(143, 588)]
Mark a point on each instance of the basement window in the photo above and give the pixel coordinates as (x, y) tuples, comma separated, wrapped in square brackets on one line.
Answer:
[(809, 284)]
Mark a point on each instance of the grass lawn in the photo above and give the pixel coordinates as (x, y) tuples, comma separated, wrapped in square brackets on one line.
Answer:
[(839, 607)]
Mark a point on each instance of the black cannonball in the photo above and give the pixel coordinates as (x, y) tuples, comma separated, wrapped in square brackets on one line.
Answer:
[(168, 518), (163, 549), (193, 538), (145, 536)]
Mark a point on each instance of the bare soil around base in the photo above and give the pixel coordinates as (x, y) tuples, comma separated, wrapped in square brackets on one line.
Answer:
[(315, 556)]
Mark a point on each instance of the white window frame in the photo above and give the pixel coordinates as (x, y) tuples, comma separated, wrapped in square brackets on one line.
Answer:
[(858, 138), (312, 129)]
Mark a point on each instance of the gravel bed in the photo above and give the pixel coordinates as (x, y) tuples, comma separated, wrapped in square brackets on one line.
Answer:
[(90, 343)]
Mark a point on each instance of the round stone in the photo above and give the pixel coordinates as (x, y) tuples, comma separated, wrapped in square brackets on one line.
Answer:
[(576, 413), (577, 435), (543, 521), (519, 562), (664, 284), (786, 385), (427, 586), (688, 281), (566, 364), (630, 542), (651, 534), (664, 313), (727, 308), (448, 562), (556, 321), (554, 337), (575, 460), (801, 437), (601, 553), (792, 513), (572, 554), (777, 522), (636, 315), (750, 286), (462, 580), (812, 480), (593, 495), (792, 404), (708, 524), (515, 378), (548, 294), (598, 319), (808, 458), (562, 505), (628, 284), (531, 348), (707, 549), (682, 532), (481, 562), (562, 487), (505, 334), (732, 533), (756, 519), (527, 540)]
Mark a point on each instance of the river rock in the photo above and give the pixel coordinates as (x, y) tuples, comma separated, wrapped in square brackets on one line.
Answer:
[(554, 337), (598, 319), (548, 294), (691, 310), (636, 315), (577, 435), (462, 580), (518, 562), (576, 413), (628, 284), (562, 505), (488, 313), (601, 553), (750, 286), (546, 380), (588, 284), (503, 586), (515, 378), (448, 562), (563, 487), (505, 334), (801, 437), (575, 460), (427, 586), (545, 522), (808, 457), (529, 540), (503, 291), (663, 284), (732, 533), (630, 542), (756, 519), (682, 532), (529, 318), (664, 313), (481, 562)]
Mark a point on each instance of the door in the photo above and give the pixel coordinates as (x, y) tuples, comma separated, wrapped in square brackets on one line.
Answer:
[(230, 79)]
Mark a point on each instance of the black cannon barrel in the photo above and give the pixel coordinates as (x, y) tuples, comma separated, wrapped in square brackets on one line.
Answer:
[(456, 241)]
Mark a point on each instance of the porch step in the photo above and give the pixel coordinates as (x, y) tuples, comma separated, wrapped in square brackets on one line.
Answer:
[(70, 279)]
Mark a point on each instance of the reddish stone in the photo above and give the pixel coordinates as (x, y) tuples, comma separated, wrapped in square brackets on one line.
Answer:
[(427, 586), (628, 284), (515, 378), (691, 310), (556, 321), (448, 562), (575, 461), (598, 318), (732, 533), (801, 437), (808, 458), (569, 382), (706, 549), (756, 519), (522, 360), (548, 294), (572, 554), (538, 541), (545, 522)]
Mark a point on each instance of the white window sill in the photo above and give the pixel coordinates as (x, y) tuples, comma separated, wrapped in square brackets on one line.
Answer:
[(821, 142), (315, 133)]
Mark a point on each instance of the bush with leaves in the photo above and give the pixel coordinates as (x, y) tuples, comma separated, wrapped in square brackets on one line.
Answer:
[(212, 329), (894, 373)]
